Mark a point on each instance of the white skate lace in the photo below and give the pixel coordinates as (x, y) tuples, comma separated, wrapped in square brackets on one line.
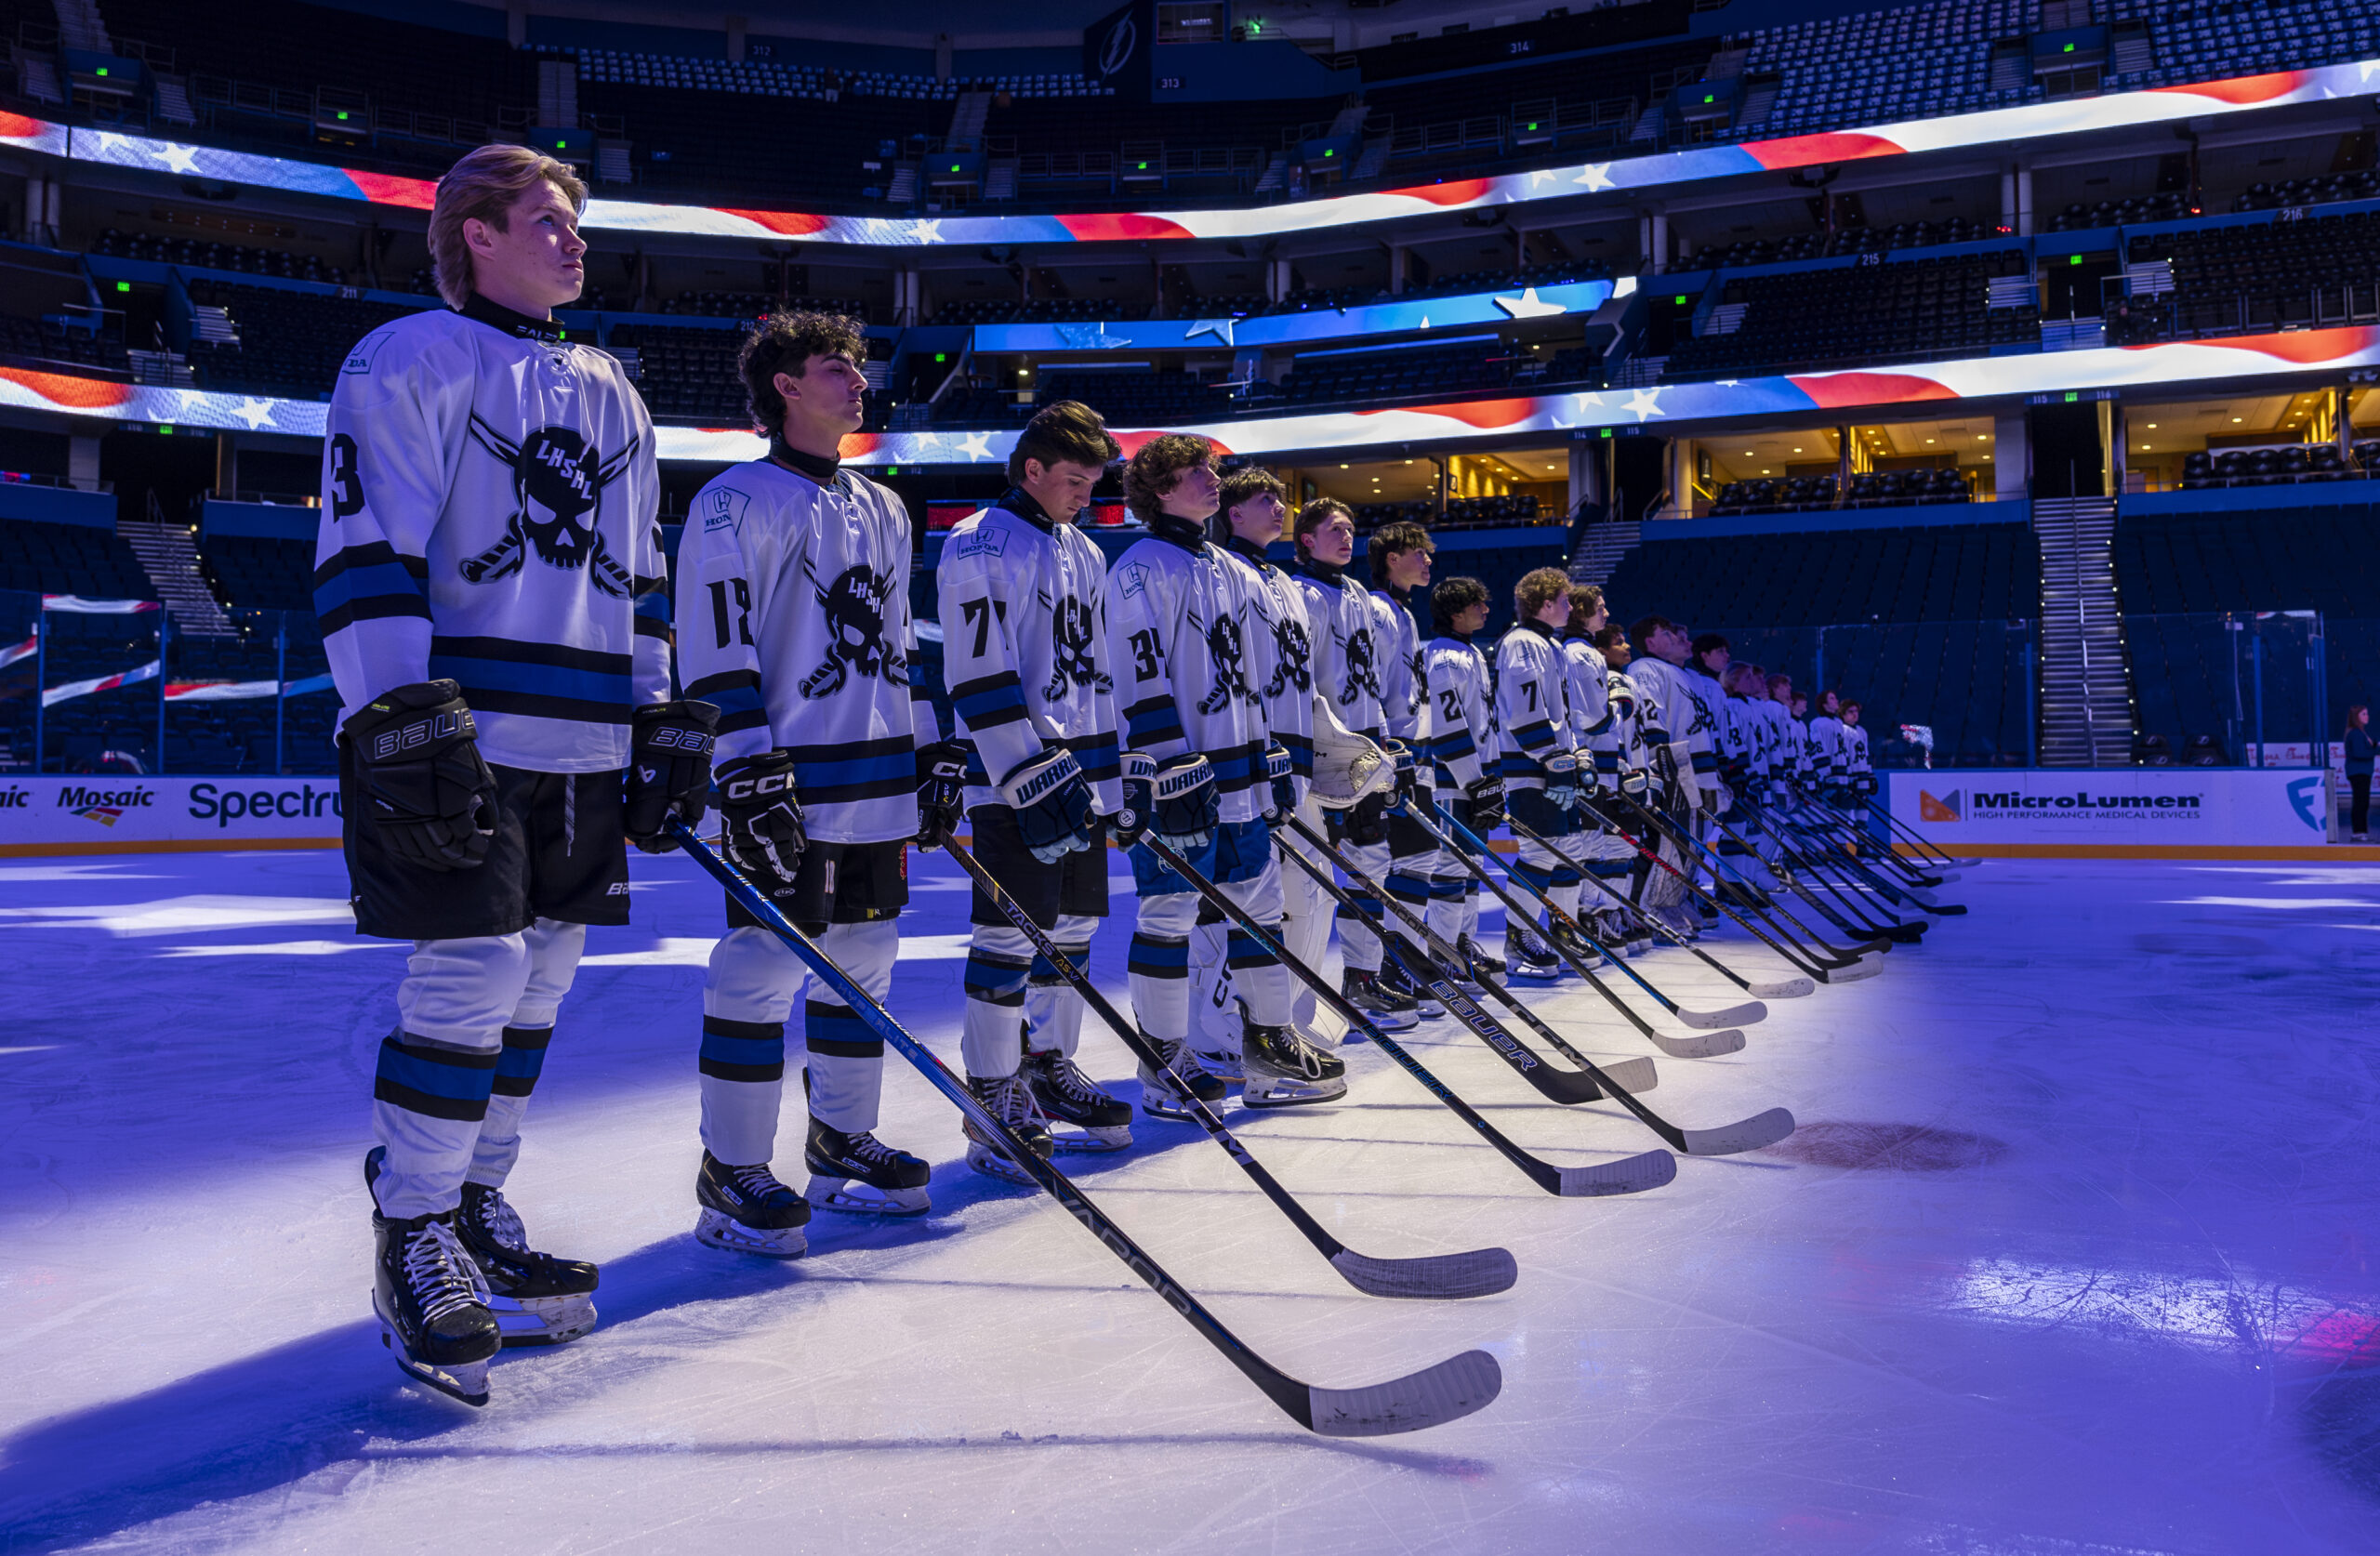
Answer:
[(501, 1222), (1011, 1101), (756, 1181), (1073, 1083), (441, 1275), (1179, 1059), (866, 1147)]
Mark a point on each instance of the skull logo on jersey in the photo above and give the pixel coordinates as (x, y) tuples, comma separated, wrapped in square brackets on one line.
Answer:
[(853, 605), (1363, 671), (1291, 652), (558, 483), (1226, 651), (1072, 660)]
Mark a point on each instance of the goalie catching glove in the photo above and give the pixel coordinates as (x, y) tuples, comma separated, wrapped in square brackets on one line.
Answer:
[(669, 746), (426, 787), (1053, 804), (762, 834), (1348, 769), (1176, 798)]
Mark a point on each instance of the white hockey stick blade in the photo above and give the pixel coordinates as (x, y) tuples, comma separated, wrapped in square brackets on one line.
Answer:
[(1753, 1134), (1630, 1175), (1783, 988), (1633, 1075), (1853, 973), (1702, 1045), (1434, 1396), (1481, 1272), (1734, 1015)]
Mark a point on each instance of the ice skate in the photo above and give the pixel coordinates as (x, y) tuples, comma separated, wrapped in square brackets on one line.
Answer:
[(434, 1310), (1528, 957), (1397, 981), (1094, 1120), (1390, 1010), (538, 1299), (1580, 949), (745, 1209), (1484, 965), (859, 1174), (1009, 1100), (1161, 1097), (1284, 1070)]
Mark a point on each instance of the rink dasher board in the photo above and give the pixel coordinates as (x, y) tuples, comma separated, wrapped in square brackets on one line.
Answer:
[(120, 814), (2119, 812)]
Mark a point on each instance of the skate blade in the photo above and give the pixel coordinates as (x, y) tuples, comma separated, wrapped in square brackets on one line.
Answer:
[(991, 1164), (1225, 1067), (526, 1321), (1289, 1097), (828, 1193), (717, 1229), (462, 1381), (1113, 1137)]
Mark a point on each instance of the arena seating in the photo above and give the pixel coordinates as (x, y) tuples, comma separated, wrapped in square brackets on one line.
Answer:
[(70, 559), (2172, 206), (1462, 513), (1776, 494), (290, 342), (1916, 620), (252, 573), (1903, 312), (192, 254), (2256, 277), (48, 342), (2270, 466)]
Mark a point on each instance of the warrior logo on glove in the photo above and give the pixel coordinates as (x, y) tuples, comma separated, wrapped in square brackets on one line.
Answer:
[(557, 474), (854, 608)]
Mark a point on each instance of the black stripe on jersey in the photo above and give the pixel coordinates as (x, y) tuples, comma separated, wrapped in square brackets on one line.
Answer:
[(736, 694), (515, 652), (369, 582), (541, 704), (652, 626)]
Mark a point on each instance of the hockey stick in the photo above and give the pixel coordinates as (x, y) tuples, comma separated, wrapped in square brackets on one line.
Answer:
[(1852, 865), (1480, 1272), (1826, 969), (1735, 1015), (1693, 848), (1917, 838), (1627, 1175), (1751, 1134), (1447, 1392), (1429, 970), (1776, 988), (1707, 1044), (1838, 871)]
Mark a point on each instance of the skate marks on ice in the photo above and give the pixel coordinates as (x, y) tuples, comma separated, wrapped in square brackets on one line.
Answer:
[(1887, 1147)]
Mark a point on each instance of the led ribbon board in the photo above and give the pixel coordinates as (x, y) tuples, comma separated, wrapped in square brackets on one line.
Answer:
[(1952, 132)]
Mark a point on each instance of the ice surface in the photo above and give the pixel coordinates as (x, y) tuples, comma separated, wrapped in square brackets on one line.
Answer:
[(2073, 1253)]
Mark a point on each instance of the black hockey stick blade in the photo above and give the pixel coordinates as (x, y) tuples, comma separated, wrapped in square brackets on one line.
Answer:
[(1734, 1015), (1481, 1272), (1434, 1396), (1630, 1175)]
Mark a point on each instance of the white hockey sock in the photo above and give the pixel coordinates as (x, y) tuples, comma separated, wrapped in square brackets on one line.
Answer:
[(554, 949)]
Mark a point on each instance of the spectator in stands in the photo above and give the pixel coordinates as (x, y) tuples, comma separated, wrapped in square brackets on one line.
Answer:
[(2359, 750)]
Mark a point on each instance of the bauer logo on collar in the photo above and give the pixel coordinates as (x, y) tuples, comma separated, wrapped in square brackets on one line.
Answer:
[(360, 360)]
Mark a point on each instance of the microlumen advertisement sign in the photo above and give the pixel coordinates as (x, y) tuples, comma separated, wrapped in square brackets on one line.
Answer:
[(2147, 807)]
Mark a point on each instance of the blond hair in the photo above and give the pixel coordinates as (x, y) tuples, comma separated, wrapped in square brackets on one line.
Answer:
[(484, 186)]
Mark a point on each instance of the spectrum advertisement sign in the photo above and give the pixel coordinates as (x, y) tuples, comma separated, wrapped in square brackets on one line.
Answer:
[(117, 814), (2124, 808)]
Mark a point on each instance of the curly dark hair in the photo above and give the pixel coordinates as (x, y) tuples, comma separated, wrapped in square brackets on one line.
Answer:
[(784, 343), (1156, 467), (1452, 598)]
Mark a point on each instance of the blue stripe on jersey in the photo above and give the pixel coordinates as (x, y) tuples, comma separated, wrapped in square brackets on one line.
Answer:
[(736, 694), (522, 1060), (1152, 957), (1449, 746), (540, 680), (1151, 722), (860, 770), (1533, 734), (989, 701), (439, 1083), (836, 1029), (370, 582), (1097, 755), (1243, 951), (995, 978)]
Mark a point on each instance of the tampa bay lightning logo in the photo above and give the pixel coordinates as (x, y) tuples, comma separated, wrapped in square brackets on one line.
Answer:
[(1072, 659), (1116, 49), (558, 483)]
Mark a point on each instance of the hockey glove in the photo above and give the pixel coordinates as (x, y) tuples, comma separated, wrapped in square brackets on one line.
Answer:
[(942, 780), (1176, 797), (427, 789), (1863, 784), (1486, 799), (1536, 810), (1561, 779), (762, 834), (1053, 804), (670, 747), (1409, 784), (1280, 772)]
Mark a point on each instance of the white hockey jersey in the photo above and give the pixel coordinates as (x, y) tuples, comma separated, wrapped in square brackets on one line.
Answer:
[(1532, 705), (1826, 749), (794, 618), (1854, 750), (1676, 714), (1590, 705), (1287, 689), (1403, 689), (1463, 712), (1189, 656), (1022, 644), (1347, 627), (489, 502)]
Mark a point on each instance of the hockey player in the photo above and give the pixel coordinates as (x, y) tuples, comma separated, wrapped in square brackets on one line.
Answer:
[(793, 583), (1595, 723), (1859, 774), (1465, 774), (1676, 726), (1536, 745), (1399, 555), (1828, 770), (488, 528), (1019, 592), (1190, 659), (1348, 625)]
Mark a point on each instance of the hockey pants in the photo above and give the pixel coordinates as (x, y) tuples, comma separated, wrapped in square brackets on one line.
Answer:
[(747, 997), (474, 1018)]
